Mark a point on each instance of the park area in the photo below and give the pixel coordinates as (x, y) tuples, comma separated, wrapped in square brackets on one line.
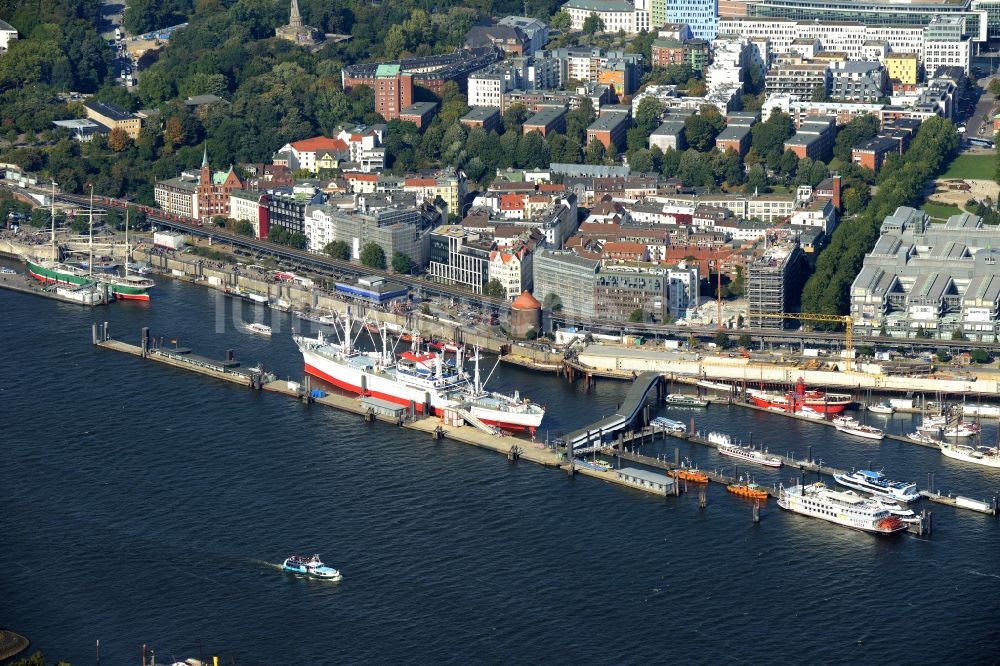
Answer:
[(974, 167), (969, 176)]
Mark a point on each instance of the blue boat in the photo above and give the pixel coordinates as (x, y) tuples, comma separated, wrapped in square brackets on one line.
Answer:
[(310, 566)]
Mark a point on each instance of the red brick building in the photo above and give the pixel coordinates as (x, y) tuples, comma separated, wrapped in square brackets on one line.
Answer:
[(214, 190)]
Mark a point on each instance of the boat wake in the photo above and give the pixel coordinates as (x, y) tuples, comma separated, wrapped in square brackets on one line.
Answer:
[(985, 575), (269, 565)]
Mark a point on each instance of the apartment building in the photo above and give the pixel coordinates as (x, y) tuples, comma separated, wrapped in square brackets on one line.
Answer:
[(772, 279)]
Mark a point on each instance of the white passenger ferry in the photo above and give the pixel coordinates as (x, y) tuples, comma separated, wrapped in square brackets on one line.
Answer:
[(845, 508)]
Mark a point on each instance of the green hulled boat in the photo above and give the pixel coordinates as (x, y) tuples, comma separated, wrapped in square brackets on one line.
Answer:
[(132, 287), (54, 271)]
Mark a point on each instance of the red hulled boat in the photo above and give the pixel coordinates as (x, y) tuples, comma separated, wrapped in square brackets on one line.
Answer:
[(795, 400)]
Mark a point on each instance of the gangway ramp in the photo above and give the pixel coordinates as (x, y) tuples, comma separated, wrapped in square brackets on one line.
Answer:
[(623, 418), (474, 420)]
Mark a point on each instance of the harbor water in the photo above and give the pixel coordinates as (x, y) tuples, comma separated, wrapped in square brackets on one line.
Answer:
[(146, 505)]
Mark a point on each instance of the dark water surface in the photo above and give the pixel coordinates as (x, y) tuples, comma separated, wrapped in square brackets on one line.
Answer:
[(142, 504)]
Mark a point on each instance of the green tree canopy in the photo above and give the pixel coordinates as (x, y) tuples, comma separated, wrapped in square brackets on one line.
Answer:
[(373, 256), (495, 289), (338, 250), (401, 262)]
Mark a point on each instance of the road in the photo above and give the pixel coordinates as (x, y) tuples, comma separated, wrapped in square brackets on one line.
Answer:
[(469, 302)]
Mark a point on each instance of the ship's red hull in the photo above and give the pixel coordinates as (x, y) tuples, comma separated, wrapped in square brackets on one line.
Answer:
[(793, 404), (347, 386)]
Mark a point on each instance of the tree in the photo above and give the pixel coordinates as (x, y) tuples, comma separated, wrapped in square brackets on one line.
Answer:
[(338, 250), (552, 302), (119, 140), (561, 20), (702, 128), (695, 169), (592, 25), (243, 228), (514, 117), (756, 180), (649, 115), (401, 262), (768, 138), (858, 130), (957, 334), (819, 93), (373, 256), (994, 87), (637, 316), (722, 340), (744, 341), (495, 289), (595, 152), (980, 356)]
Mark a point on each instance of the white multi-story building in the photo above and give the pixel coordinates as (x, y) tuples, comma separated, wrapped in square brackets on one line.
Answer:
[(616, 15), (845, 37), (945, 45), (312, 154), (7, 33), (511, 266), (682, 289), (486, 88), (365, 146), (250, 206)]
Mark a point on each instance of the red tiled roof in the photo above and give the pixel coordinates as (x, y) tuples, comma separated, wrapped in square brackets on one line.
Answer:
[(318, 143)]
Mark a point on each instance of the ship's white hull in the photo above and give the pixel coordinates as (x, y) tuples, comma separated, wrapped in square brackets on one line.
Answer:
[(426, 401), (750, 456), (867, 434), (507, 420), (357, 380), (809, 506), (966, 455), (873, 490)]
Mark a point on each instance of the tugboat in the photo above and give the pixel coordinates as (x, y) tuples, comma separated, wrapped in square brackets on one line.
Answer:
[(310, 566), (692, 474), (749, 490)]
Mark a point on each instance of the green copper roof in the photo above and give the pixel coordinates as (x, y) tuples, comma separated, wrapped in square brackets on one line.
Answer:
[(386, 70)]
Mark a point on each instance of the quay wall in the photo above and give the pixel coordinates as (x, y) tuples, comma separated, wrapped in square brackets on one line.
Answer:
[(607, 359)]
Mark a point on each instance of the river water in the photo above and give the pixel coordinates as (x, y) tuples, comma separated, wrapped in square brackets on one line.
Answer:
[(146, 505)]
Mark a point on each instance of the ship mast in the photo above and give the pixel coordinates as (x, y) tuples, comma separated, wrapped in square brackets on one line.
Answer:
[(90, 262), (477, 384), (52, 203), (128, 251)]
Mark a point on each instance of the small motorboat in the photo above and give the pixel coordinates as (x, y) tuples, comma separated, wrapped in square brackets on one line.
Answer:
[(259, 329), (310, 566), (881, 408)]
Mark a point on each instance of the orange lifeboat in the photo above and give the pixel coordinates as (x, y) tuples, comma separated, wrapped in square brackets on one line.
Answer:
[(748, 490), (692, 475)]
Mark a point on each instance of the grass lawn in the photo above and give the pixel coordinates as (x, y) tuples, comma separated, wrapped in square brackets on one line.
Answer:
[(972, 166), (939, 210)]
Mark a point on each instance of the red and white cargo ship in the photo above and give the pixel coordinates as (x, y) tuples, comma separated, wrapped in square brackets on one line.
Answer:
[(427, 379), (795, 400)]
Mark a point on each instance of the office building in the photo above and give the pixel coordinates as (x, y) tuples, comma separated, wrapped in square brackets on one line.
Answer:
[(946, 45), (460, 257), (928, 279), (393, 228), (569, 277), (874, 12)]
